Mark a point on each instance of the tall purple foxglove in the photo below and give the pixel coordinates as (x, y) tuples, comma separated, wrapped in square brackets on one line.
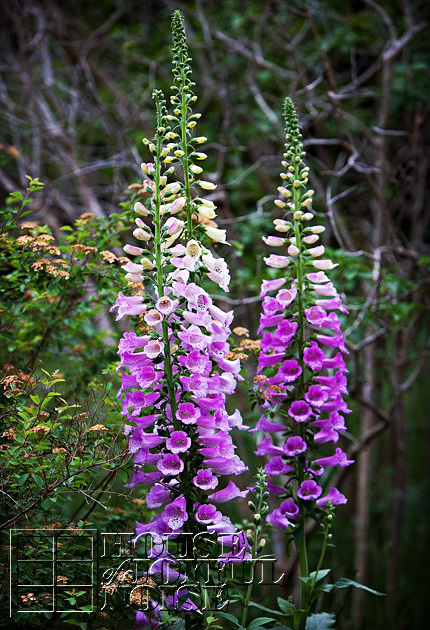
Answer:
[(176, 376), (301, 378)]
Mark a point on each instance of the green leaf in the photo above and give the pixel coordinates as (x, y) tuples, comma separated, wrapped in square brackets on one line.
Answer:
[(231, 618), (38, 480), (287, 607), (35, 399), (264, 608), (323, 588), (344, 583), (16, 195), (260, 621), (321, 621), (321, 574), (22, 479), (298, 533)]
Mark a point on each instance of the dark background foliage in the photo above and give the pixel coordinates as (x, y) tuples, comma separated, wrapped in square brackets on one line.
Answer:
[(75, 89)]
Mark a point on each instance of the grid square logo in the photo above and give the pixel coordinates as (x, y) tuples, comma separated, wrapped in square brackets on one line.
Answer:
[(53, 570)]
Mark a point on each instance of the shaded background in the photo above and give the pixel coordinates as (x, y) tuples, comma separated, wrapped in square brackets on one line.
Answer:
[(75, 89)]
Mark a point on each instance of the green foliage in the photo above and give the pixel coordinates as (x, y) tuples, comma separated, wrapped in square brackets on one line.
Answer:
[(321, 621), (62, 445)]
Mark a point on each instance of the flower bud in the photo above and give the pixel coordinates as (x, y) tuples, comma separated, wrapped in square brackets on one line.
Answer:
[(277, 262), (325, 290), (307, 202), (206, 212), (147, 168), (324, 265), (273, 241), (171, 188), (317, 229), (140, 223), (147, 264), (139, 208), (216, 235), (293, 250), (298, 215), (207, 203), (133, 278), (280, 203), (173, 226), (206, 185), (252, 506), (250, 536), (296, 183), (177, 205), (309, 240), (281, 225), (284, 191), (141, 234), (200, 156), (164, 152), (132, 250), (200, 139), (308, 216), (131, 267), (316, 251), (196, 169)]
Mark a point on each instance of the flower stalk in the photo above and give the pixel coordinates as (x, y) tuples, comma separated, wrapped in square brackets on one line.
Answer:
[(177, 375), (301, 380)]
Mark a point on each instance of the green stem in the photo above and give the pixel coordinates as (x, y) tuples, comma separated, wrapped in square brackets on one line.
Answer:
[(185, 158), (320, 561), (304, 571), (251, 583), (302, 550), (160, 287)]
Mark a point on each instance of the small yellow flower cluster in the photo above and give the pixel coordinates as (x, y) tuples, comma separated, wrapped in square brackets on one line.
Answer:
[(40, 430), (29, 599), (9, 434), (110, 257), (251, 344), (53, 267), (15, 383), (83, 249)]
